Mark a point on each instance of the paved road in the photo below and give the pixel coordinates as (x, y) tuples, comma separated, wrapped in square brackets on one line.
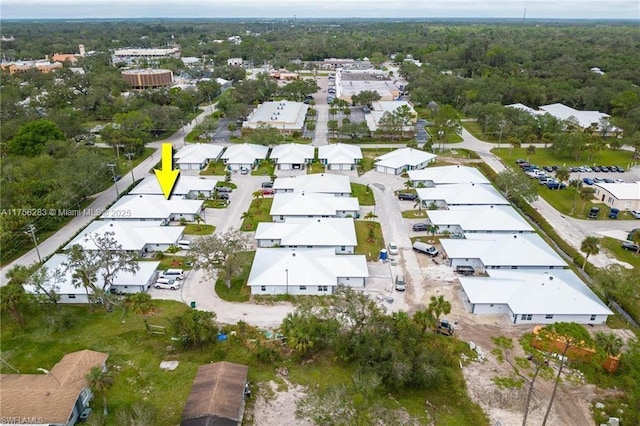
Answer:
[(320, 137), (102, 200)]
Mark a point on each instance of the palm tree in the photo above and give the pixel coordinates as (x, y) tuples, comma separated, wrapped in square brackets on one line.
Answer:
[(589, 246), (140, 303), (370, 216), (433, 230), (562, 175), (197, 219), (100, 381), (14, 299), (438, 306), (609, 342), (424, 319), (586, 194)]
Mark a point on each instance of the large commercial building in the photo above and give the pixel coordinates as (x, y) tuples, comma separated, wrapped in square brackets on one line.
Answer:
[(124, 55), (286, 116), (349, 83), (148, 78)]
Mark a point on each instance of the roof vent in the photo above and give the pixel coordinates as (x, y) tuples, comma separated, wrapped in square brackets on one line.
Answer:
[(491, 206), (550, 278), (515, 236), (293, 254)]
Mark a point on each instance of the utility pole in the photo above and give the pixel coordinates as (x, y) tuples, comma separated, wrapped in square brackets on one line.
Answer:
[(130, 156), (501, 124), (115, 181), (31, 231)]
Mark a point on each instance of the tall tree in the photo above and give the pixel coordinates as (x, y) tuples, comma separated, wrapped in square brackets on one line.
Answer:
[(514, 184), (590, 245), (196, 329), (438, 306), (15, 300), (218, 254), (31, 138), (609, 342)]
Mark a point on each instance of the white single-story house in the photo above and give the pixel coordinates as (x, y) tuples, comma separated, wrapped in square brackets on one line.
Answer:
[(501, 251), (584, 119), (330, 232), (286, 116), (396, 162), (534, 297), (154, 208), (71, 290), (320, 183), (305, 271), (244, 156), (136, 237), (380, 108), (622, 195), (292, 156), (446, 175), (197, 156), (473, 219), (340, 156), (311, 205), (460, 194), (190, 187)]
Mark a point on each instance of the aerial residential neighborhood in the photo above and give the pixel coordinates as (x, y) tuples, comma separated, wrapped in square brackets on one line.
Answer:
[(316, 218)]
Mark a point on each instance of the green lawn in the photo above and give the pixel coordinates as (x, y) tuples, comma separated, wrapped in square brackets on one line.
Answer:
[(370, 247), (199, 229), (476, 130), (222, 183), (315, 167), (614, 247), (415, 214), (239, 291), (563, 201), (215, 168), (363, 193), (266, 168), (259, 212), (216, 204), (170, 261)]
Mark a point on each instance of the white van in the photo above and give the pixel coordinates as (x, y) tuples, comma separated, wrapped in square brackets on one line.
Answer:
[(176, 274), (184, 244), (425, 248)]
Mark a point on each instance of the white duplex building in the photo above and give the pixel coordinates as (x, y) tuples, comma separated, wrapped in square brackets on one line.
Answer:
[(154, 208), (136, 237), (336, 233), (460, 194), (340, 156), (61, 279), (305, 271), (292, 156), (446, 175), (534, 297), (244, 156), (320, 183), (197, 156), (403, 159), (190, 187), (485, 219), (310, 205), (501, 251)]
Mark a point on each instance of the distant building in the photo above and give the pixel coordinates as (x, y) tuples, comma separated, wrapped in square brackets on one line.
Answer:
[(235, 62), (349, 83), (403, 159), (285, 116), (621, 195), (126, 55), (380, 108), (148, 78), (42, 65), (584, 119)]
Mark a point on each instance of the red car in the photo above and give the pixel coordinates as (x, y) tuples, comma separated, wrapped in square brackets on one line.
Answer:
[(267, 191)]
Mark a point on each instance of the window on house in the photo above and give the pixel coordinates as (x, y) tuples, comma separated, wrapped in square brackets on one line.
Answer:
[(71, 296), (342, 248), (526, 317), (323, 288), (263, 288), (548, 316), (593, 318), (303, 287)]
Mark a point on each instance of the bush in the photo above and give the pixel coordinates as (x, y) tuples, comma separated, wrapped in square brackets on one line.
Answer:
[(232, 127)]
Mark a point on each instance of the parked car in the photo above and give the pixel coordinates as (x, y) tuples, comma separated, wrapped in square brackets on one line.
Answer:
[(267, 184), (607, 180), (613, 213), (630, 235), (267, 191), (620, 169), (596, 168), (425, 248), (635, 213), (594, 212), (175, 274), (420, 227), (401, 285), (407, 196), (556, 185), (392, 248), (628, 245), (244, 171), (223, 189), (184, 244), (167, 284), (604, 169), (588, 181), (597, 180)]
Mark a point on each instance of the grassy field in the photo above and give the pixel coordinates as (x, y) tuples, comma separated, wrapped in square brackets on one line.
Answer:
[(199, 229), (315, 167), (222, 183), (369, 154), (216, 204), (415, 214), (135, 356), (170, 261), (363, 193), (266, 168), (563, 201), (367, 246), (239, 291), (259, 212), (614, 247), (217, 168), (476, 130)]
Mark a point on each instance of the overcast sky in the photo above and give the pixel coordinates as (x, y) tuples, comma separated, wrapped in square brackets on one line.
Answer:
[(17, 9)]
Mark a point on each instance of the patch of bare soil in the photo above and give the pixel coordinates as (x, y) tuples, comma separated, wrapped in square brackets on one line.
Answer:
[(276, 404)]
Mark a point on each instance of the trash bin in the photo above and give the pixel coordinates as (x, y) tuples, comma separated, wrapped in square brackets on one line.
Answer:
[(193, 305)]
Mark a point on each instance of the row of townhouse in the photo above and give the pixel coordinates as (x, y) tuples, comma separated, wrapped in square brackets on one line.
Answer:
[(517, 273), (308, 247)]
